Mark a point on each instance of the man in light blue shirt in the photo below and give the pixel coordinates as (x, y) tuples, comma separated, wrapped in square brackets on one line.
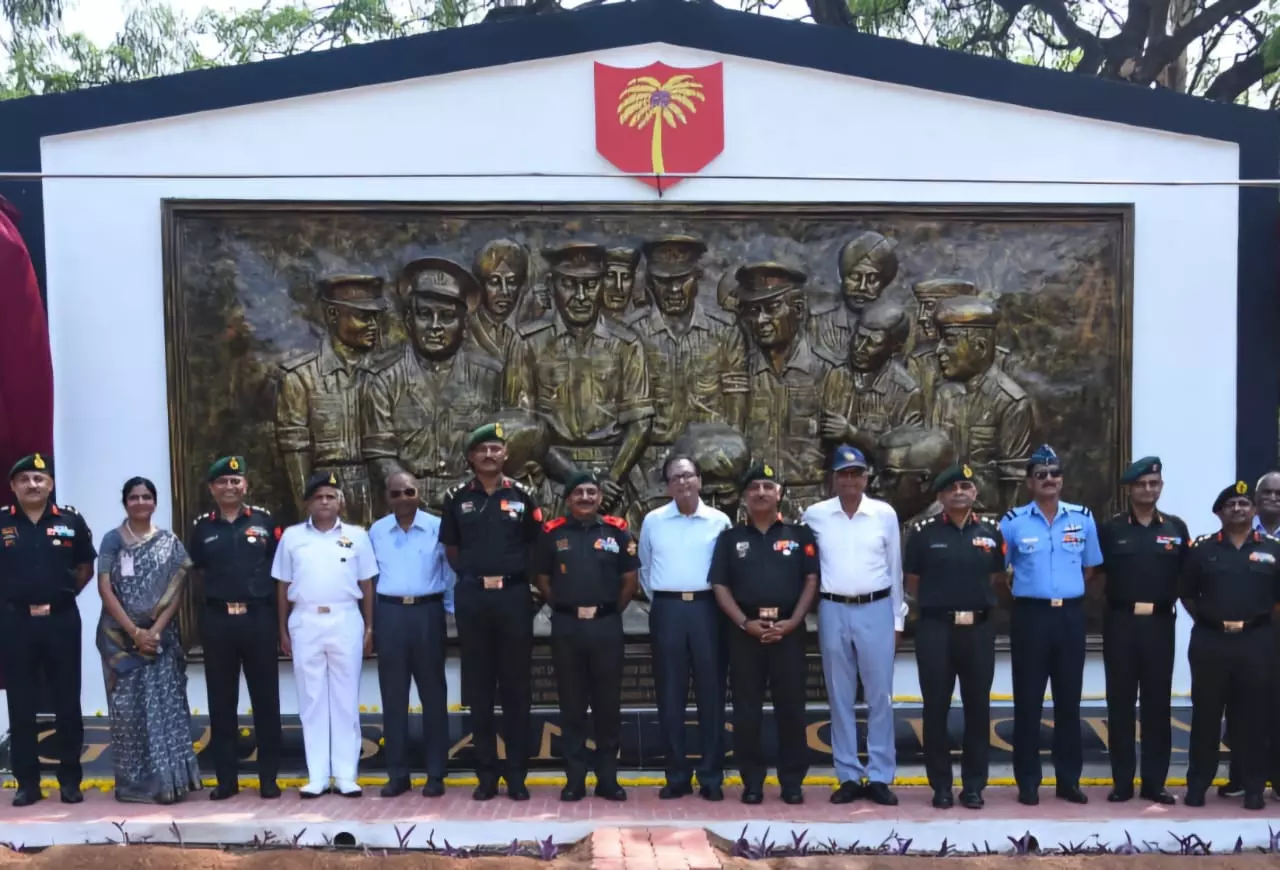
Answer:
[(1052, 548), (414, 580), (677, 542)]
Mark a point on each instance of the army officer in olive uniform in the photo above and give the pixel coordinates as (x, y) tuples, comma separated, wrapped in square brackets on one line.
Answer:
[(46, 559), (1143, 551), (586, 567), (1230, 586), (765, 577), (951, 564)]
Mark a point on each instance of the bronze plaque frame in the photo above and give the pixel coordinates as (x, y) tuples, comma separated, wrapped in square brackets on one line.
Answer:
[(186, 498)]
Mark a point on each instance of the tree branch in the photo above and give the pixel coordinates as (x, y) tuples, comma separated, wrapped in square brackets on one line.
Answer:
[(1238, 78), (832, 12)]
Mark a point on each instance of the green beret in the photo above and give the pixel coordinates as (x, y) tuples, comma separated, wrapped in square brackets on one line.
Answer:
[(1145, 465), (487, 432), (1235, 489), (954, 474), (227, 465), (35, 462), (759, 471), (319, 479), (578, 478)]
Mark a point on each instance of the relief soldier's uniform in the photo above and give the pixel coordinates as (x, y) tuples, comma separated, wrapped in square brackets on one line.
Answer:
[(1142, 565), (40, 624), (832, 329), (585, 562), (488, 336), (239, 629), (493, 608), (955, 638), (1231, 593), (873, 402)]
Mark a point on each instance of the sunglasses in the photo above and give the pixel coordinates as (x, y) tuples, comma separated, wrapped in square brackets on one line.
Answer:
[(1044, 475), (397, 493)]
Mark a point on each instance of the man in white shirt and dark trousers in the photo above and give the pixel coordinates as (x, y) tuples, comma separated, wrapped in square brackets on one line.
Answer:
[(677, 542), (414, 579), (859, 617), (326, 569)]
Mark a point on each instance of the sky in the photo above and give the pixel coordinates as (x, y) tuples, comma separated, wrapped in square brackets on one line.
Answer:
[(100, 20)]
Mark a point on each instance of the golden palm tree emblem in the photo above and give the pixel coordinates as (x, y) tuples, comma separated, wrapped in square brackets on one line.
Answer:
[(645, 101)]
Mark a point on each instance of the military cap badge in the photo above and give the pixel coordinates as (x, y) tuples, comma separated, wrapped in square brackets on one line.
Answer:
[(967, 471), (1241, 487), (497, 430), (38, 462), (768, 471), (234, 464), (333, 480)]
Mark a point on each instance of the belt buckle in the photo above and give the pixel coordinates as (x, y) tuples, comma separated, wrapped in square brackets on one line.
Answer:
[(492, 582), (963, 617), (40, 609), (1143, 608), (587, 612), (237, 608), (686, 596), (409, 599), (768, 613), (1234, 627), (322, 609), (1055, 602)]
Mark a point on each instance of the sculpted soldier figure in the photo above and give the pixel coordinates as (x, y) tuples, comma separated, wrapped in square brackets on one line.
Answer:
[(502, 268), (874, 393), (589, 384), (983, 410), (868, 264), (619, 284), (416, 412), (785, 371), (907, 460), (317, 413), (922, 349), (696, 358)]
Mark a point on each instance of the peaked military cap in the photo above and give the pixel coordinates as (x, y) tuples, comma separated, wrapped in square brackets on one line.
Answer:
[(760, 281), (759, 471), (439, 277), (629, 257), (1239, 488), (673, 256), (1145, 465), (967, 311), (354, 291), (227, 465), (318, 480), (487, 432), (1044, 455), (576, 259), (944, 288), (954, 474), (41, 462), (578, 478)]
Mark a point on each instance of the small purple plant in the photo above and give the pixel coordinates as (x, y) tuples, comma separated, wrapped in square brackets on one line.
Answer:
[(403, 839), (547, 850), (946, 849), (296, 839), (1128, 848), (798, 845)]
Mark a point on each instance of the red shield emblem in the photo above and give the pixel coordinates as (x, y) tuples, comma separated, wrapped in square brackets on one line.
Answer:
[(659, 119)]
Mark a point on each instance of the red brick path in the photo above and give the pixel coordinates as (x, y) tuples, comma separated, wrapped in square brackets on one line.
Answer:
[(652, 849)]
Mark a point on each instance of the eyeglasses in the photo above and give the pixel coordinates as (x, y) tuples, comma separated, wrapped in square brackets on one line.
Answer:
[(397, 493), (683, 478), (1044, 475)]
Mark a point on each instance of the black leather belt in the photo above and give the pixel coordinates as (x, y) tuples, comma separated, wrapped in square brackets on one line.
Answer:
[(491, 582), (1142, 608), (955, 617), (43, 609), (1234, 626), (766, 612), (684, 596), (587, 611), (1050, 602), (858, 599), (411, 599)]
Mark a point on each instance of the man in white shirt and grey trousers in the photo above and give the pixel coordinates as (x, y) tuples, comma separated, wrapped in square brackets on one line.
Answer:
[(860, 616)]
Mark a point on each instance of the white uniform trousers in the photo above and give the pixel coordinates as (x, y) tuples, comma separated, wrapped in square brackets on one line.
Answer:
[(328, 653)]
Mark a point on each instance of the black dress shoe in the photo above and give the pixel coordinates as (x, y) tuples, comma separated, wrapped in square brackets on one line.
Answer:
[(312, 795), (268, 789), (70, 794), (1159, 797), (1029, 797), (573, 792), (1231, 789), (517, 791), (1071, 794), (752, 796), (711, 793), (395, 788), (611, 791), (972, 800), (1193, 799), (487, 790), (1119, 795), (672, 792), (25, 797), (943, 800), (792, 796), (1255, 801), (880, 793), (222, 791), (848, 792), (434, 788)]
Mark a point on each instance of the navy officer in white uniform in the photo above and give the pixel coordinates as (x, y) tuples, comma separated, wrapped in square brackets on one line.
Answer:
[(326, 569)]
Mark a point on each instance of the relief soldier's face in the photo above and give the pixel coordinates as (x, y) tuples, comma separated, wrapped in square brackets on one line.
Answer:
[(502, 288), (354, 327), (773, 322), (585, 500), (435, 326), (870, 349), (31, 487), (861, 285), (763, 495), (577, 298), (229, 490), (959, 496), (619, 282), (674, 295), (964, 352), (907, 489), (1145, 491), (924, 319)]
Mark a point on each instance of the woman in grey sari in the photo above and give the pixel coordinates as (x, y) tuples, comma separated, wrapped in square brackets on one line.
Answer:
[(141, 573)]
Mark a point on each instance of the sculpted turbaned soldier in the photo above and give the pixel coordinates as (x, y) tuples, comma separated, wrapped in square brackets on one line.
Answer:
[(317, 407), (922, 351), (785, 375), (868, 264), (620, 285), (417, 412), (984, 412), (502, 268), (874, 393), (589, 383), (696, 357)]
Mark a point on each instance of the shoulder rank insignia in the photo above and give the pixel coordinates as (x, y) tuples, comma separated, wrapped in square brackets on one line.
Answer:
[(616, 522), (552, 525)]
